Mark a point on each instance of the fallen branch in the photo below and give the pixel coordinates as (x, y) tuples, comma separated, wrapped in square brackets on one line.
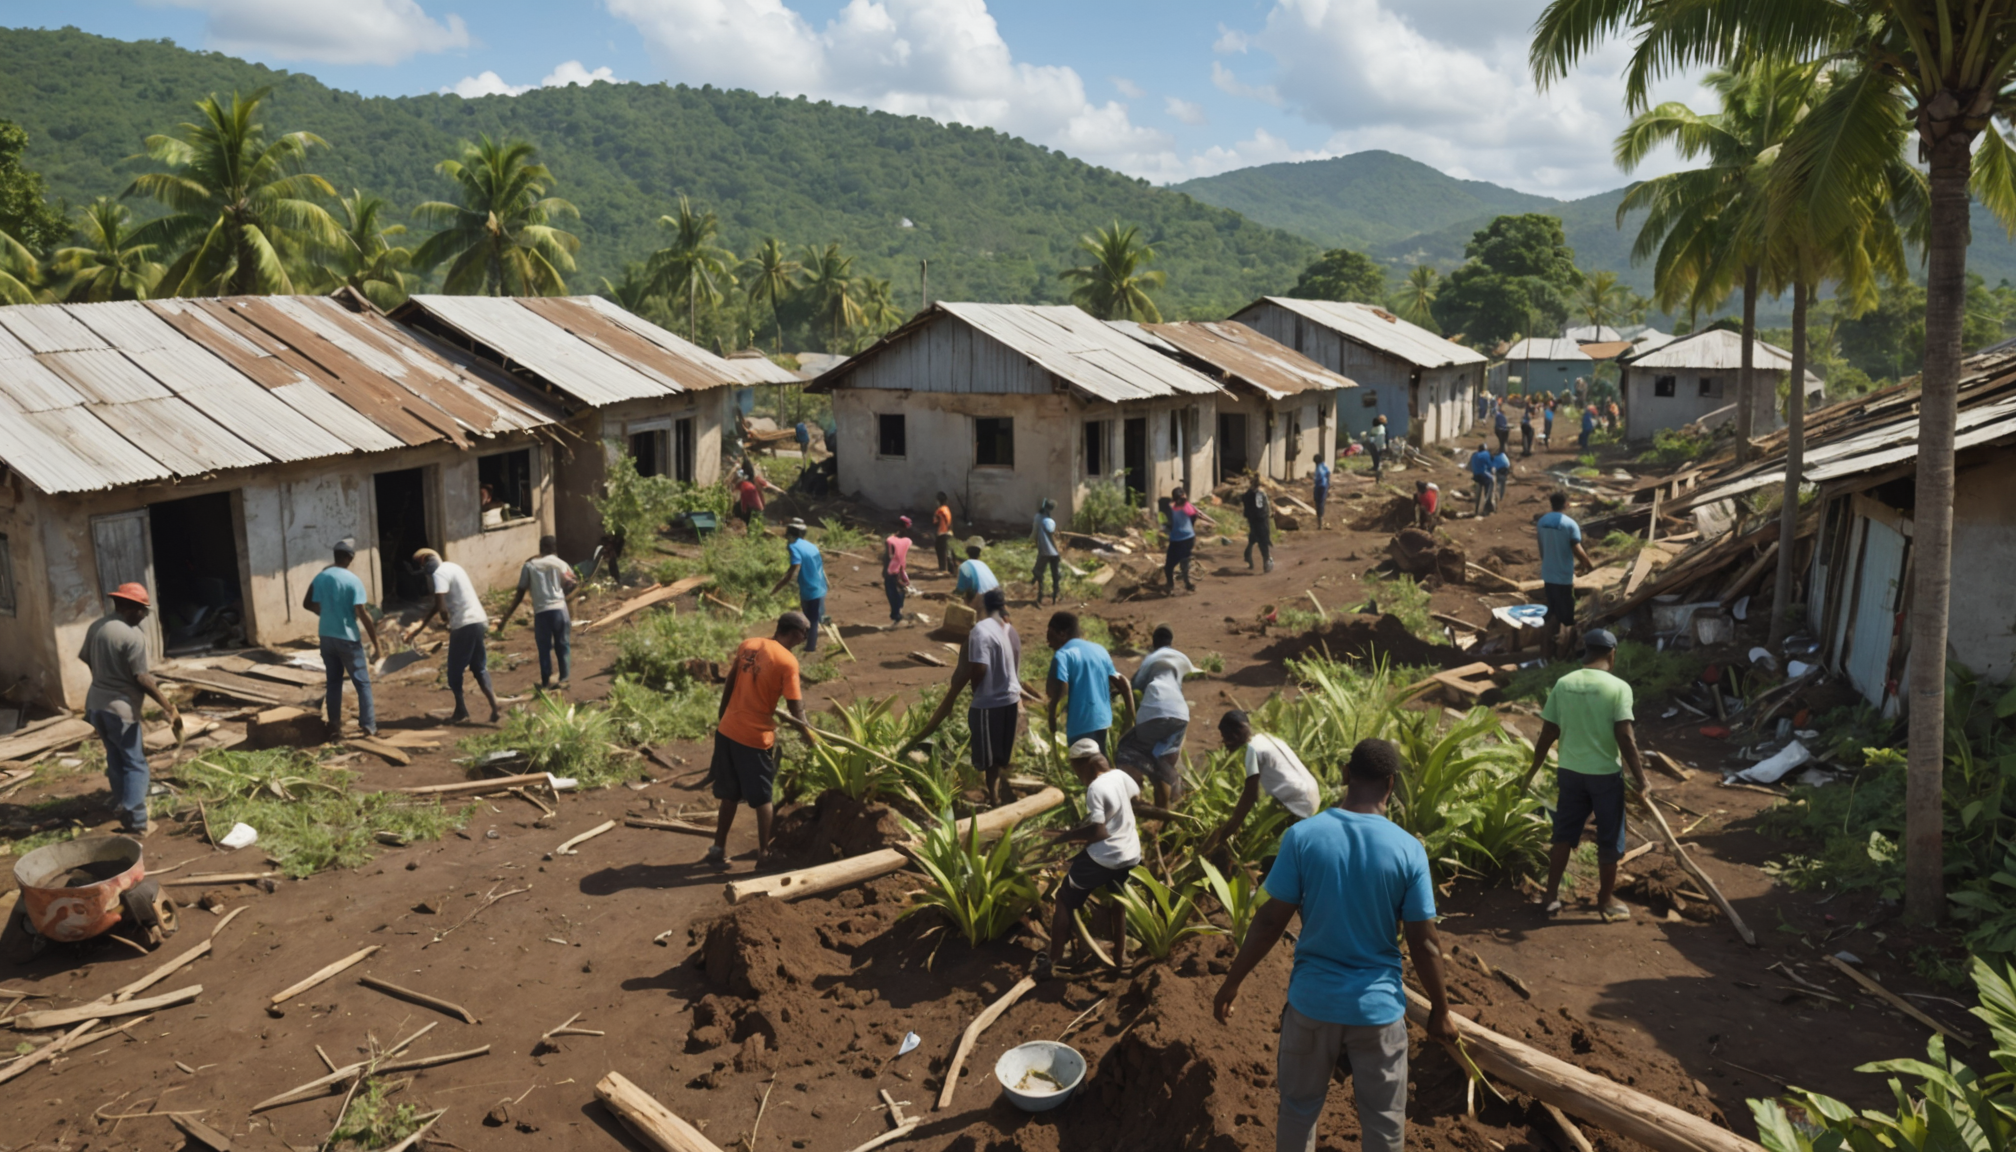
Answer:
[(567, 849), (413, 1139), (488, 900), (217, 878), (1899, 1003), (46, 1051), (1694, 870), (972, 1035), (651, 1122), (434, 1002), (325, 973), (890, 1137), (655, 596), (198, 1131), (667, 825), (59, 1017), (317, 1086), (494, 784), (1576, 1141)]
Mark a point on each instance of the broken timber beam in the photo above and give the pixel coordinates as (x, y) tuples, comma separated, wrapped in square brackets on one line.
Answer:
[(657, 595), (655, 1125)]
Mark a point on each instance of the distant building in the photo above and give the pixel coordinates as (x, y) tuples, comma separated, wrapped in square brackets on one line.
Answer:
[(1425, 386), (1002, 405), (1542, 365), (1693, 378), (1591, 334), (1280, 407)]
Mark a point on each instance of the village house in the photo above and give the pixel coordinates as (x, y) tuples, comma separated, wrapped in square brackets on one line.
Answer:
[(1280, 407), (1537, 364), (1002, 405), (1693, 378), (1425, 386)]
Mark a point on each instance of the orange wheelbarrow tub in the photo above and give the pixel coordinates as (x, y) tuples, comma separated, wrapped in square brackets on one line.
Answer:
[(83, 888)]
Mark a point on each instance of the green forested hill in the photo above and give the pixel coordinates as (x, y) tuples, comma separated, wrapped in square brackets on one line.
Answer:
[(995, 215)]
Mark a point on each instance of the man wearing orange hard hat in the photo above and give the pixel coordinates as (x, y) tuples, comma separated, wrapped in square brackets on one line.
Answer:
[(115, 648)]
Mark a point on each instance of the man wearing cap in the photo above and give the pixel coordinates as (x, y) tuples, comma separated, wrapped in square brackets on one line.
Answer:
[(1043, 530), (1112, 850), (1561, 553), (1589, 712), (552, 583), (336, 596), (1375, 444), (808, 567), (975, 577), (744, 769), (115, 649), (990, 662), (1270, 765), (1084, 672), (1359, 882), (461, 612)]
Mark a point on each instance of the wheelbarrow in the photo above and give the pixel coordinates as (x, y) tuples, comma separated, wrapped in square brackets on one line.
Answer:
[(82, 889)]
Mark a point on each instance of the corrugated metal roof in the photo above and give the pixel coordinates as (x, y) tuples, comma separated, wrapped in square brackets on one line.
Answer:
[(96, 396), (1716, 348), (1244, 356), (1608, 350), (1591, 334), (1377, 328), (1543, 348)]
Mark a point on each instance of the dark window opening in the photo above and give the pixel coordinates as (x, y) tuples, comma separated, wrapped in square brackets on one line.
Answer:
[(1095, 447), (892, 436), (993, 442), (6, 577), (1711, 386), (402, 530), (195, 548), (1134, 457), (648, 452), (1231, 445), (1665, 385), (504, 484)]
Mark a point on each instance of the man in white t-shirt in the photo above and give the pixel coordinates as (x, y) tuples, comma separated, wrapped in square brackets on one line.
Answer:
[(461, 612), (1112, 850), (1150, 747), (1270, 765), (551, 581)]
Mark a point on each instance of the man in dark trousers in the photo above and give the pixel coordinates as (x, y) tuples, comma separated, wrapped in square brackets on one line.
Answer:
[(115, 648), (336, 596), (1358, 880), (1589, 711), (989, 662), (744, 770), (1501, 424), (1259, 512), (1561, 552)]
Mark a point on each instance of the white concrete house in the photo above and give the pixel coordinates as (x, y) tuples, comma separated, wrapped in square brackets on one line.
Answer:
[(1425, 386), (1001, 405), (1537, 364), (1280, 407), (1686, 379)]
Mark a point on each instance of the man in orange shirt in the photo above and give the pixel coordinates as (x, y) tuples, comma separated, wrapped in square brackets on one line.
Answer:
[(941, 523), (745, 740)]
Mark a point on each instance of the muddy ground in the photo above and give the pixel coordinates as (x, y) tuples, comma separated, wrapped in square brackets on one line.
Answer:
[(620, 934)]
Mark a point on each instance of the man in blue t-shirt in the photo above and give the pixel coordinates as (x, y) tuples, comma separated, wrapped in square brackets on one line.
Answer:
[(1358, 880), (1501, 424), (803, 434), (1501, 474), (1482, 482), (1588, 426), (336, 596), (808, 567), (976, 579), (1560, 551), (1322, 487), (1083, 672)]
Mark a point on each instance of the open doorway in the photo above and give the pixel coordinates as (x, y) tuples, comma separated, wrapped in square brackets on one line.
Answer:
[(683, 466), (1134, 457), (201, 601), (1231, 445), (648, 451), (402, 530)]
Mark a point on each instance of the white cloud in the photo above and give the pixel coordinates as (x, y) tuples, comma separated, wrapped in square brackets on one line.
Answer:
[(491, 84), (1229, 40), (1127, 88), (349, 32), (1186, 111), (1223, 79)]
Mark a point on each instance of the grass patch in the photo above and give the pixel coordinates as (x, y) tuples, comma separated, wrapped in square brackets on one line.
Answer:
[(1212, 662), (1013, 561), (1671, 446), (564, 739), (1107, 507), (308, 818), (373, 1121), (655, 651), (639, 715), (1398, 595), (1622, 545), (1651, 673), (838, 536)]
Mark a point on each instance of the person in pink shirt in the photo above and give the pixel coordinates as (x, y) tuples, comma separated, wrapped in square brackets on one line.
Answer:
[(896, 568)]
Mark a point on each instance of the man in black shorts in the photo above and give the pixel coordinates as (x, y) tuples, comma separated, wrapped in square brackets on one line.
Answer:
[(744, 769), (990, 664), (1112, 850)]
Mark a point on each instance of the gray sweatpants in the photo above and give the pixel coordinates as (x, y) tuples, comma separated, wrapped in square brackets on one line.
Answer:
[(1378, 1061)]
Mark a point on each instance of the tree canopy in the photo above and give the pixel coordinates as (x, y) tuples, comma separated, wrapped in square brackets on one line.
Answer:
[(1517, 278), (1341, 274)]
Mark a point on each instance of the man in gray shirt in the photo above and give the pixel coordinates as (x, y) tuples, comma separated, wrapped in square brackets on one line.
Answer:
[(116, 650), (991, 664)]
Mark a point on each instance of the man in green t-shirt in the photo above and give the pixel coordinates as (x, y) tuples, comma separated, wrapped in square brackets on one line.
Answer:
[(1589, 712)]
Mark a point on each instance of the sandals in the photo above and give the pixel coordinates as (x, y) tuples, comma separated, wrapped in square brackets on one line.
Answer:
[(1551, 908), (1615, 910), (716, 858)]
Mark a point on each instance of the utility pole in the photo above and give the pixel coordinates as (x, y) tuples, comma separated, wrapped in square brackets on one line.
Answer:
[(924, 283)]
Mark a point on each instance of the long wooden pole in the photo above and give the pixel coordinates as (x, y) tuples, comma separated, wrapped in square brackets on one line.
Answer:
[(859, 869), (1694, 870), (647, 1119), (1609, 1106), (971, 1037)]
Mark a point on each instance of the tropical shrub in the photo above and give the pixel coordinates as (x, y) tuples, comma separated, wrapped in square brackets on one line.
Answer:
[(1159, 916), (1240, 896), (979, 892)]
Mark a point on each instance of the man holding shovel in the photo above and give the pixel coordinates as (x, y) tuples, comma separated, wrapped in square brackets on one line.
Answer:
[(116, 650), (336, 596), (744, 770)]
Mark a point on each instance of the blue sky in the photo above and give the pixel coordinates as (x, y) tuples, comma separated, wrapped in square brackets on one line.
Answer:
[(1164, 90)]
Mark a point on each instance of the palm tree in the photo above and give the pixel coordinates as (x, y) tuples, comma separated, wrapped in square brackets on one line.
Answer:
[(1949, 65), (1114, 286), (500, 240), (691, 265), (773, 275), (1415, 298), (635, 294), (19, 270), (829, 277), (1600, 299), (879, 313), (105, 264), (367, 262), (240, 207)]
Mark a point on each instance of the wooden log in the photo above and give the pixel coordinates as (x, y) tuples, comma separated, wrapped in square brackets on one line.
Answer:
[(567, 849), (494, 784), (1607, 1105), (1899, 1003), (858, 869), (1505, 584), (1749, 575), (972, 1035), (667, 825), (434, 1002), (58, 1017), (648, 1120), (657, 595), (1694, 870), (293, 990)]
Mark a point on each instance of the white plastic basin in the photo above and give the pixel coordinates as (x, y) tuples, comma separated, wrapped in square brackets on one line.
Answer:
[(1040, 1075)]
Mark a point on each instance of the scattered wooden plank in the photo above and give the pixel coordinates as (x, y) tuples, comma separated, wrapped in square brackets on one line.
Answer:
[(1749, 575), (648, 1120), (324, 973), (1505, 583), (927, 658), (656, 595), (1694, 870), (58, 1017), (1640, 568), (216, 878), (567, 849), (972, 1034), (285, 674), (494, 784), (1899, 1003), (234, 686), (667, 825), (390, 753), (61, 1043), (49, 738), (434, 1002), (1573, 1135), (1670, 766), (889, 1137), (200, 1132)]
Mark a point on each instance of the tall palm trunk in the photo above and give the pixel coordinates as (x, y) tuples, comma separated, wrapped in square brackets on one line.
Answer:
[(1746, 376), (1795, 465), (1951, 165)]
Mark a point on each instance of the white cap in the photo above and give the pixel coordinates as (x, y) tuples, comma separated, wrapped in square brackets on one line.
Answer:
[(1084, 748)]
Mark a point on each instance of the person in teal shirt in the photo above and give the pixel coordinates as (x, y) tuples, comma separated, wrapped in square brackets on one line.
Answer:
[(1375, 445), (976, 579), (808, 567), (1083, 672), (1359, 881), (1589, 712), (336, 596)]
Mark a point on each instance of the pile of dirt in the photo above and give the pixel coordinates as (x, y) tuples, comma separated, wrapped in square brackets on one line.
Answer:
[(1388, 515), (1369, 638), (1658, 882), (834, 826), (1420, 554), (817, 997)]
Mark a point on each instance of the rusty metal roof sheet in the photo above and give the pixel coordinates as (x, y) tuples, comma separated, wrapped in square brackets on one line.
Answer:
[(1243, 356), (1375, 327)]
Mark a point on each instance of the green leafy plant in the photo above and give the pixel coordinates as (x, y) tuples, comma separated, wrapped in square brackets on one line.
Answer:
[(658, 650), (1240, 896), (1212, 662), (565, 739), (980, 892), (1107, 507), (373, 1121), (639, 507), (1461, 793), (1160, 916), (1400, 596), (1672, 446), (640, 715), (1653, 674), (840, 536)]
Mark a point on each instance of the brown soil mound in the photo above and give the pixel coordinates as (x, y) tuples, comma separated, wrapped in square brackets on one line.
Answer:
[(1390, 514), (836, 826), (819, 994), (1368, 638), (1420, 554)]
